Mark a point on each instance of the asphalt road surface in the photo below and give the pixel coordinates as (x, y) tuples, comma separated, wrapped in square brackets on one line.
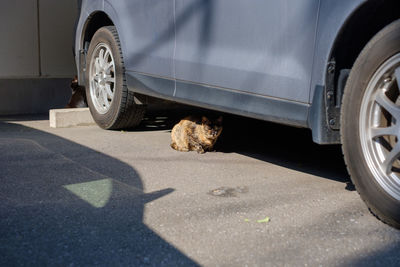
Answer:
[(268, 196)]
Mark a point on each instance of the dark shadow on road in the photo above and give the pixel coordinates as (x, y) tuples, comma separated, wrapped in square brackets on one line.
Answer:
[(387, 256), (63, 204), (285, 146)]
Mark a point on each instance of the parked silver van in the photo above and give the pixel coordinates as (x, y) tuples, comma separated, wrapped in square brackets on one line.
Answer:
[(331, 66)]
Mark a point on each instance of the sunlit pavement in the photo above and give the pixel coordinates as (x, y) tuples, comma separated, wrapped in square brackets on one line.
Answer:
[(268, 196)]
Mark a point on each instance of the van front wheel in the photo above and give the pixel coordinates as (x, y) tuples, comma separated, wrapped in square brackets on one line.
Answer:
[(110, 102), (370, 124)]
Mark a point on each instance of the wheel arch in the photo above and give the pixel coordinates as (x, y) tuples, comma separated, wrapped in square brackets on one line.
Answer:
[(93, 22), (356, 30), (362, 25)]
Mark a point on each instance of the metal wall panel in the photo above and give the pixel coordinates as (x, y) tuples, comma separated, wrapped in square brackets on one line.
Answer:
[(37, 38), (19, 49), (57, 20), (37, 61)]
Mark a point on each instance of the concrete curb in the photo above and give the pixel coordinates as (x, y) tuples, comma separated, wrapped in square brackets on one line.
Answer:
[(69, 117)]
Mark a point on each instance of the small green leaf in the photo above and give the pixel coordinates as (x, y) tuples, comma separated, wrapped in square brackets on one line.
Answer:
[(264, 220), (246, 220)]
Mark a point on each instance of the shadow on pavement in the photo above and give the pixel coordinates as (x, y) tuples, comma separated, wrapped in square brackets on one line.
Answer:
[(281, 145), (65, 204), (285, 146), (387, 256)]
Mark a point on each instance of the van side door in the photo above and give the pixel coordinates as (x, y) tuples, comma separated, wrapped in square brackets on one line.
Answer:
[(146, 30), (260, 47)]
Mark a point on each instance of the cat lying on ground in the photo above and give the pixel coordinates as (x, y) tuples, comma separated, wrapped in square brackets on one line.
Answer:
[(193, 134)]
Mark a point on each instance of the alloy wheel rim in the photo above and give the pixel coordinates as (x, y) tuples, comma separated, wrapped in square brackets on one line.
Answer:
[(380, 126), (102, 78)]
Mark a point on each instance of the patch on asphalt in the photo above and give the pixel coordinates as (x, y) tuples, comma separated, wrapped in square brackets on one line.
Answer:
[(229, 191)]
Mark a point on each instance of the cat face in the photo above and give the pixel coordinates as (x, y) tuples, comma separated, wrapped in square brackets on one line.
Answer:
[(212, 129), (74, 84)]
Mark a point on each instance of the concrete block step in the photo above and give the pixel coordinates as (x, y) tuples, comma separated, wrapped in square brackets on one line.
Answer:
[(69, 117)]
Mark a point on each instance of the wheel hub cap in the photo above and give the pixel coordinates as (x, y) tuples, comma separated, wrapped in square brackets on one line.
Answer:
[(380, 126), (102, 78)]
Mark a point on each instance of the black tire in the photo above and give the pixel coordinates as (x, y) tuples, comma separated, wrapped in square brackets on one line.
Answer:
[(119, 110), (366, 136)]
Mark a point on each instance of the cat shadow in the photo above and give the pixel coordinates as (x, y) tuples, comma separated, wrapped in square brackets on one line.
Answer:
[(281, 145)]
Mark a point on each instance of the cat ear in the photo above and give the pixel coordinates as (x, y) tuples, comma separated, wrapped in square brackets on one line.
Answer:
[(204, 120), (219, 120)]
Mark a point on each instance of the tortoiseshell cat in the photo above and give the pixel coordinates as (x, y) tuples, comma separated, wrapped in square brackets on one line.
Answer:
[(78, 98), (193, 134)]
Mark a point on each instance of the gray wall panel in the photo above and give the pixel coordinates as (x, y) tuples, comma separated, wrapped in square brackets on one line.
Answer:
[(29, 96), (35, 72), (19, 39), (57, 20)]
